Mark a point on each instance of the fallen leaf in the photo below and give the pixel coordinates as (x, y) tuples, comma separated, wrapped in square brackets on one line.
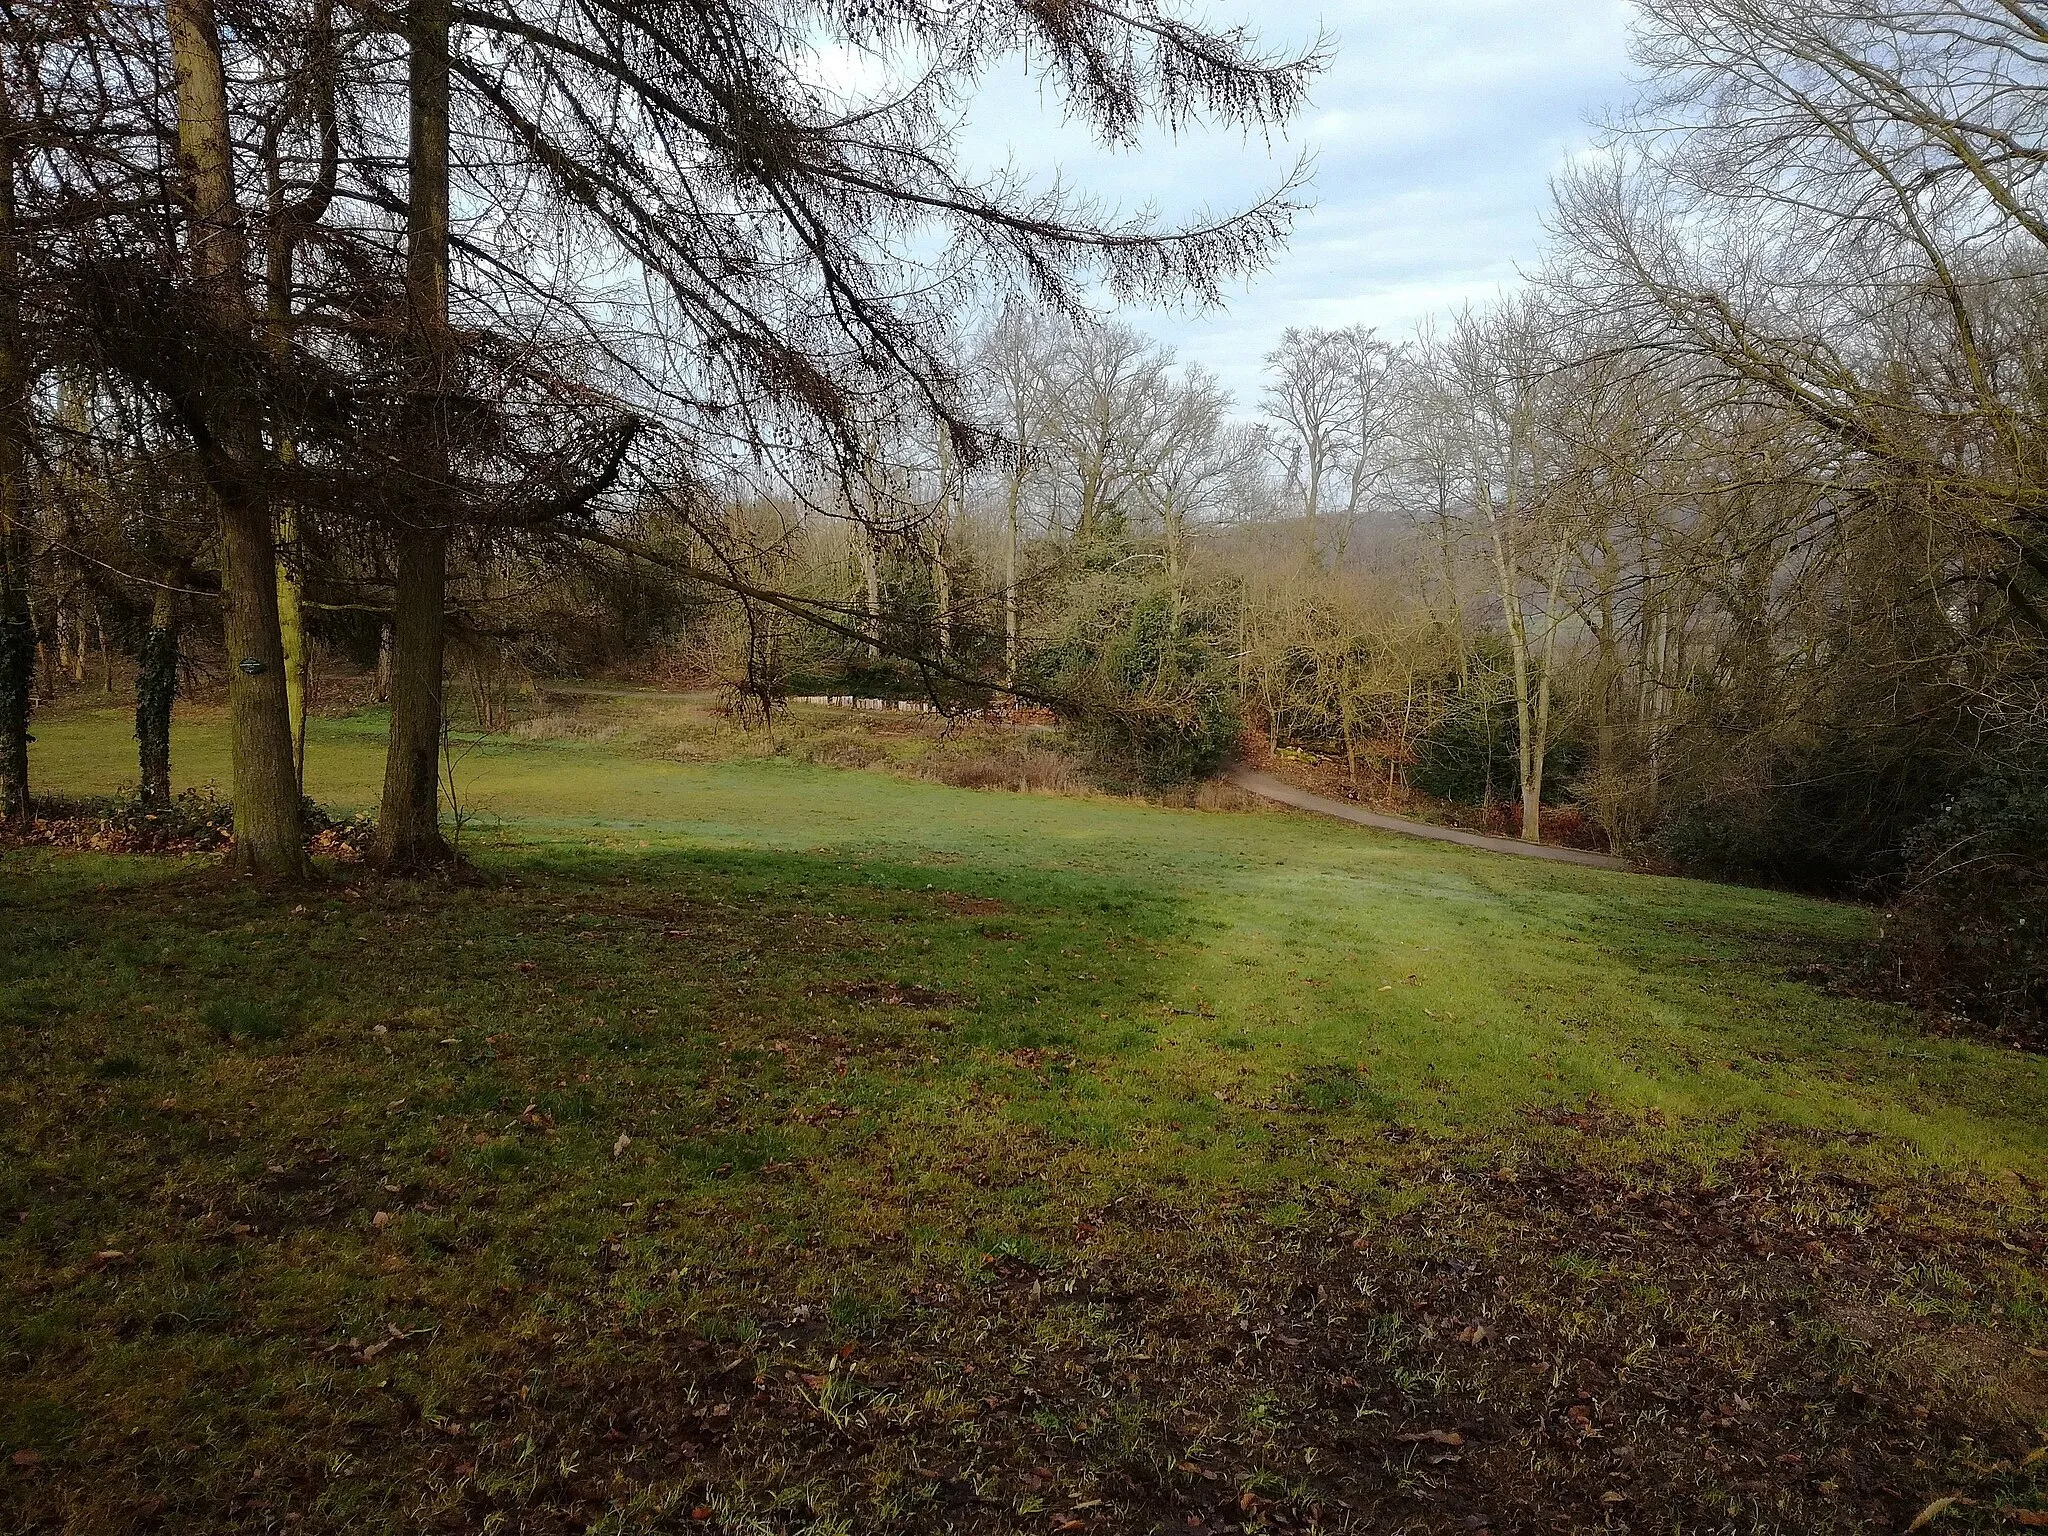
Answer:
[(381, 1220), (619, 1146), (1933, 1512), (2029, 1516), (701, 1512), (28, 1458), (1434, 1436)]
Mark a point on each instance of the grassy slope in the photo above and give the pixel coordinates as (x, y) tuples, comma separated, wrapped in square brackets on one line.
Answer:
[(1469, 986), (877, 1041)]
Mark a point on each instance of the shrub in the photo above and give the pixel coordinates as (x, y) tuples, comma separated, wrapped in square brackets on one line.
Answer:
[(1830, 813), (1969, 930), (1472, 755), (1142, 688)]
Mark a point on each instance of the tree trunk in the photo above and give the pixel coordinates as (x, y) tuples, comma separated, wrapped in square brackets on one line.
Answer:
[(871, 576), (270, 836), (288, 222), (1528, 751), (291, 622), (156, 687), (1175, 525), (17, 630), (60, 621), (384, 664), (942, 575), (1010, 581), (269, 817), (1312, 496), (408, 825)]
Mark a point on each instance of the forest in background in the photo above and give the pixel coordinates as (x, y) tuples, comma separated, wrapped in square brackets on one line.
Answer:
[(1722, 537)]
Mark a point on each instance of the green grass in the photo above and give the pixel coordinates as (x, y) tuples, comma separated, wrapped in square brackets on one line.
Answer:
[(742, 1106), (1465, 986)]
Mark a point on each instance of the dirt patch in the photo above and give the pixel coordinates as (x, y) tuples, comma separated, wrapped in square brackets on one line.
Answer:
[(1530, 1355), (894, 994), (972, 906)]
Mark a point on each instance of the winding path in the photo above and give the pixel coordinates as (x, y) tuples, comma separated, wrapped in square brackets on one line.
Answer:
[(1266, 787)]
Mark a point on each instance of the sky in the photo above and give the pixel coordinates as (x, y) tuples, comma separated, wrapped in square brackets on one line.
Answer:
[(1435, 132)]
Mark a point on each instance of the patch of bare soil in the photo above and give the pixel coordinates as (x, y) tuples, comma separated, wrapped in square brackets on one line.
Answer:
[(893, 994)]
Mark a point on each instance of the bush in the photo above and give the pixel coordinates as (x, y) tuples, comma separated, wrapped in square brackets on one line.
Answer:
[(1142, 688), (1472, 756), (1969, 929), (1830, 814)]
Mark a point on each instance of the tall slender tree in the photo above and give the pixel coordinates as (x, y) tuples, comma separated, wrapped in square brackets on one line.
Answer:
[(408, 824), (223, 414)]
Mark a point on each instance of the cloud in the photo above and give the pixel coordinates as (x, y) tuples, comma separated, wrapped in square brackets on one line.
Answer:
[(1435, 133)]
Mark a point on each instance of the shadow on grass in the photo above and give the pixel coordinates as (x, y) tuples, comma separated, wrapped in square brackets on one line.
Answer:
[(812, 1192)]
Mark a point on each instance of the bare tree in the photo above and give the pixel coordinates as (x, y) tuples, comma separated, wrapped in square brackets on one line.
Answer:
[(1195, 461), (1492, 373), (1370, 404), (1102, 393), (1011, 371), (1308, 388)]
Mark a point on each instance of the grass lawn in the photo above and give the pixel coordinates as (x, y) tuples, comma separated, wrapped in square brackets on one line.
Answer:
[(755, 1145)]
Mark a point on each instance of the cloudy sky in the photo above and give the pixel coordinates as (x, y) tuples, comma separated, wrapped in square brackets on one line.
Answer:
[(1435, 132)]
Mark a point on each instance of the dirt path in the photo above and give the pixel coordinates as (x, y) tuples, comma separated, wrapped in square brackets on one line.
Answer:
[(1267, 787)]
